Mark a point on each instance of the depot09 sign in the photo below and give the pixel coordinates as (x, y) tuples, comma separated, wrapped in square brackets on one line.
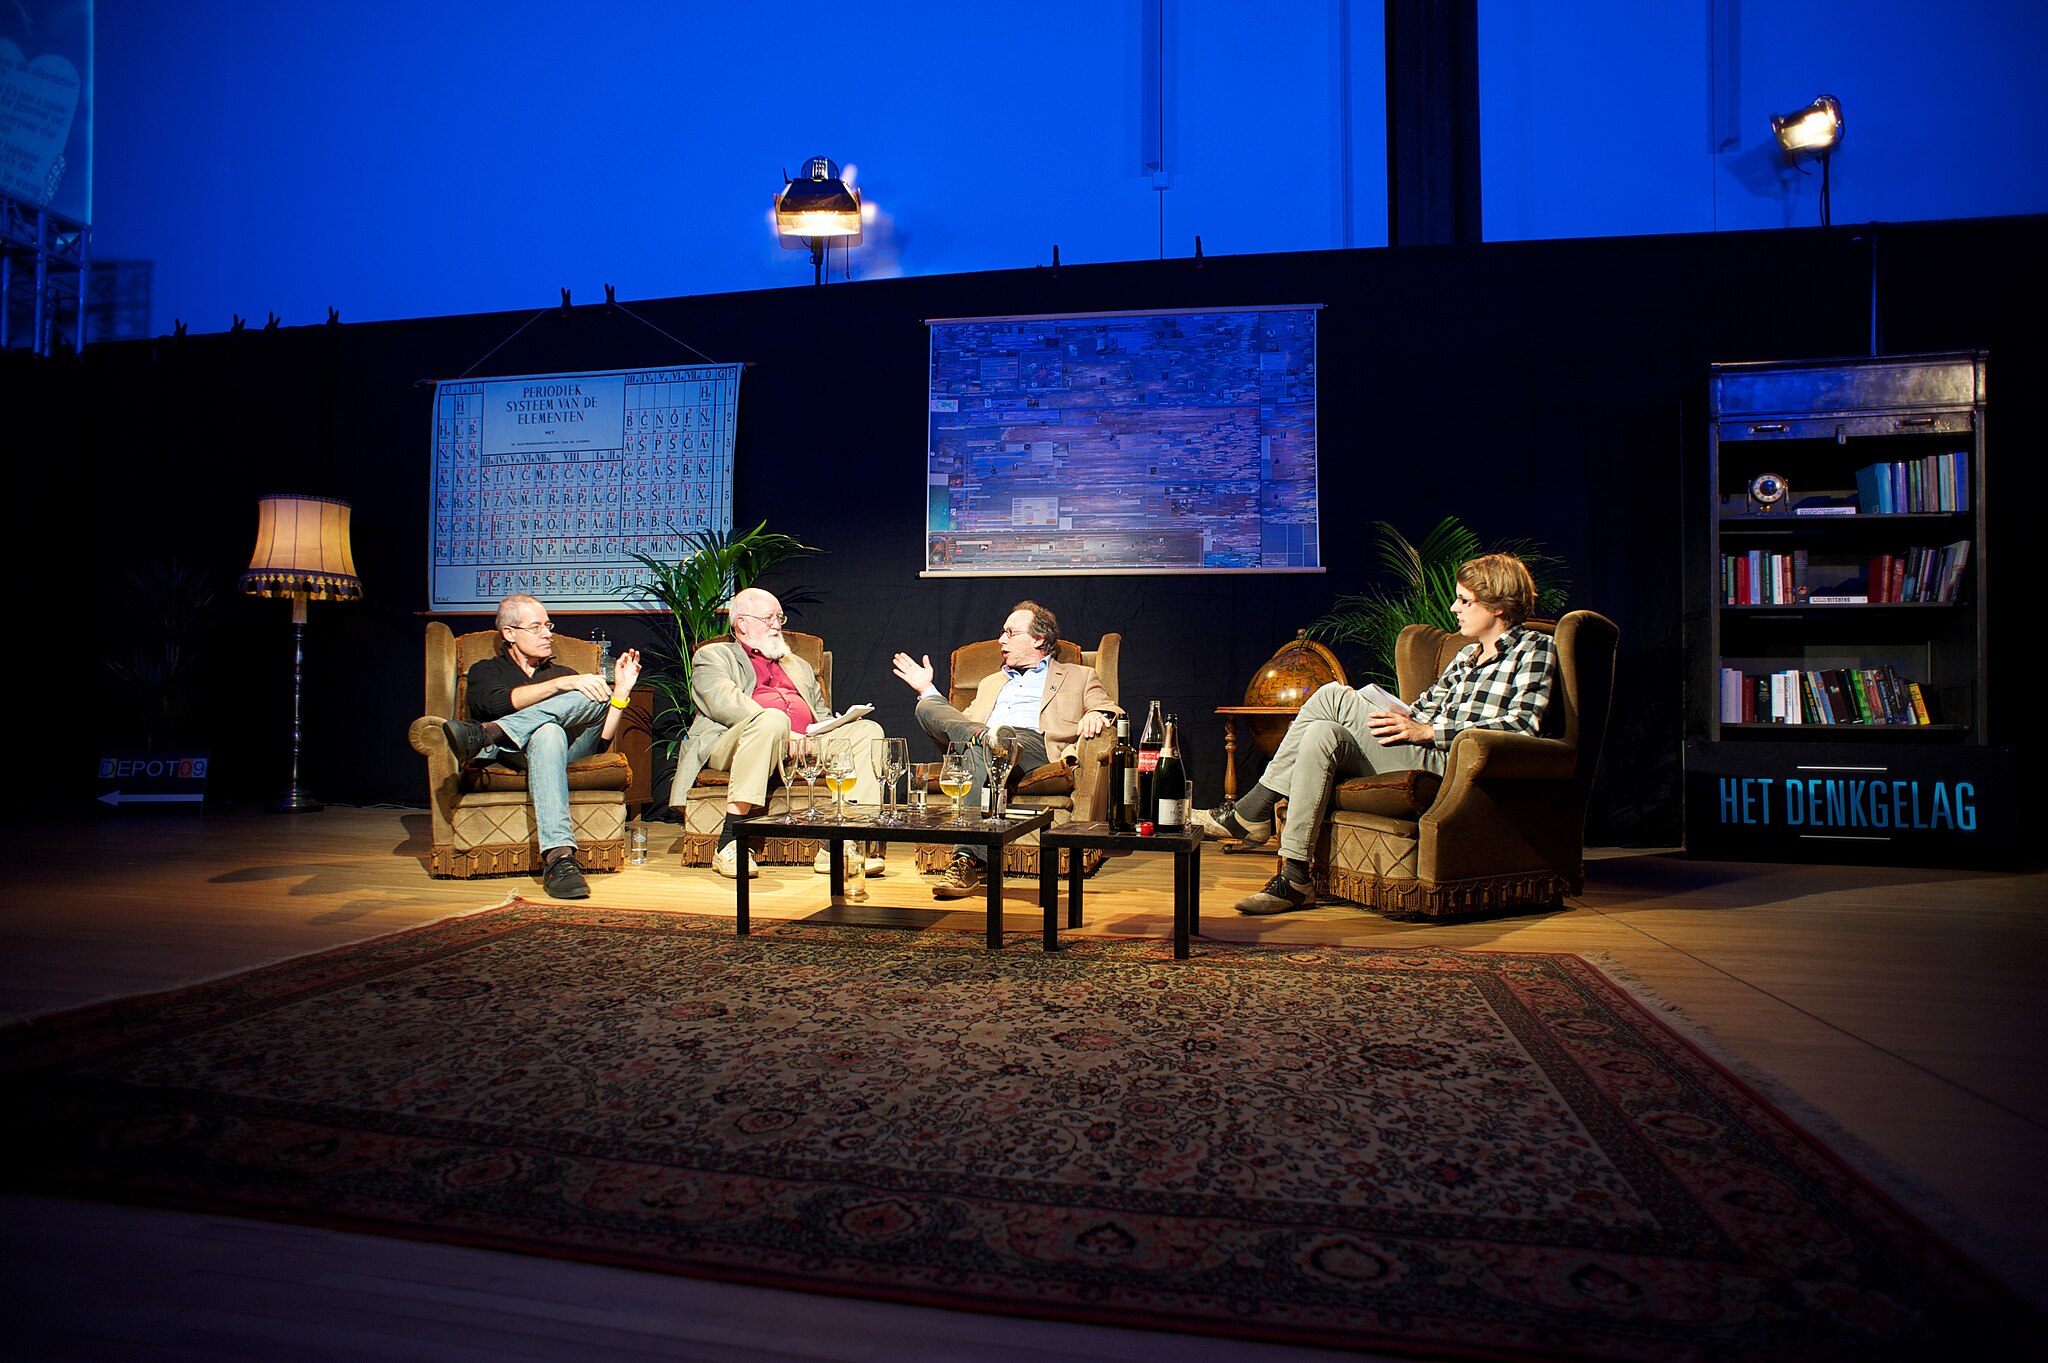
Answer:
[(151, 779)]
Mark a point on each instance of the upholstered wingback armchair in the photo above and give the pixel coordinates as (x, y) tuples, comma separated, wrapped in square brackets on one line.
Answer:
[(1077, 793), (482, 816), (703, 805), (1506, 822)]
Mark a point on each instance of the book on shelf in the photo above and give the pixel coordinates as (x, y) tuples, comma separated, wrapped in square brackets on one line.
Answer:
[(1825, 506), (1932, 483), (1872, 697)]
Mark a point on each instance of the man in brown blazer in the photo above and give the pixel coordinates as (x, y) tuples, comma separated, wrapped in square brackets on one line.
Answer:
[(1040, 706)]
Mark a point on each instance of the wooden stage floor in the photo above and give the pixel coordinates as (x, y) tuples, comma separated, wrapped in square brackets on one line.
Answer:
[(1899, 1013)]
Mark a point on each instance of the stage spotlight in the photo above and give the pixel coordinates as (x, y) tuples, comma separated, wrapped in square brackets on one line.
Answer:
[(1812, 134), (816, 209)]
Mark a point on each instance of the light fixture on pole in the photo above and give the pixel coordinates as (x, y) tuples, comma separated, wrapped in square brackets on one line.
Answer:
[(1812, 134), (302, 552), (816, 209)]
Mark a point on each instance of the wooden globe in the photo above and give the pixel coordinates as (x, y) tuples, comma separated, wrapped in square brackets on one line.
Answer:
[(1287, 679)]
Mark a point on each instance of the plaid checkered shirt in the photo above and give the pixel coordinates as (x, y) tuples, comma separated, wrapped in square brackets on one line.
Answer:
[(1512, 692)]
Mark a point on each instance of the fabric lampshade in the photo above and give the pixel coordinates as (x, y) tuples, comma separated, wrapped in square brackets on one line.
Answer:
[(302, 551)]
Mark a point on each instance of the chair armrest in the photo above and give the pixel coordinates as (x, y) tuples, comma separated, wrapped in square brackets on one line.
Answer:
[(430, 740), (1091, 775), (1498, 755), (444, 773)]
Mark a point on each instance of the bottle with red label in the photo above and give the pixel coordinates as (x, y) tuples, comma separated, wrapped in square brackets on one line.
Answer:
[(1149, 739)]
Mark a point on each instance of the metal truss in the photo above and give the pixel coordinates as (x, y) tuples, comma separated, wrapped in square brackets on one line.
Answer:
[(43, 277)]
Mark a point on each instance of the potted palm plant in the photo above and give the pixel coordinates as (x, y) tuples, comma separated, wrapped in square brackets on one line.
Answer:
[(693, 590), (1424, 578)]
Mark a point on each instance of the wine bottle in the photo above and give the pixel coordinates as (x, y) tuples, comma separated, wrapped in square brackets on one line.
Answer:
[(1170, 784), (1148, 758), (1123, 780)]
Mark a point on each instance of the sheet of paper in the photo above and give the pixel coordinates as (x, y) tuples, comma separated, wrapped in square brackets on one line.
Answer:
[(1382, 699), (826, 726)]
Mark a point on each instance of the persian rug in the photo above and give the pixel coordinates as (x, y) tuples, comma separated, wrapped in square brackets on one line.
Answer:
[(1439, 1152)]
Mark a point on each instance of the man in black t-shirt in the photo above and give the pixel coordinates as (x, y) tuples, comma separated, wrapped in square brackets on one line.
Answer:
[(523, 699)]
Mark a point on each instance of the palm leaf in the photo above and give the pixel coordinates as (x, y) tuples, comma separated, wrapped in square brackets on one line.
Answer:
[(1422, 582), (714, 566)]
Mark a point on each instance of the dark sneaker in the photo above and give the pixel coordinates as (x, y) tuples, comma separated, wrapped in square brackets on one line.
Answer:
[(1226, 824), (563, 879), (467, 738), (1281, 895), (962, 878)]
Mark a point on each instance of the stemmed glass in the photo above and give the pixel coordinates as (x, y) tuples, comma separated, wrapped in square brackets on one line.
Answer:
[(787, 763), (954, 781), (839, 779), (810, 762), (1001, 757), (890, 757)]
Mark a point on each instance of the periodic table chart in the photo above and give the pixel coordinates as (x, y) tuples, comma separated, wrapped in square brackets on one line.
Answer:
[(549, 483)]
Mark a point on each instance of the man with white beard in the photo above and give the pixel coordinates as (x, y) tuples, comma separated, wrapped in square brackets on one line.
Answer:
[(751, 694)]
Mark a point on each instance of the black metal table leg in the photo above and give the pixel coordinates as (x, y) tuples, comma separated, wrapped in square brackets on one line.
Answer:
[(1181, 879), (745, 850), (1075, 861), (994, 871), (1049, 897)]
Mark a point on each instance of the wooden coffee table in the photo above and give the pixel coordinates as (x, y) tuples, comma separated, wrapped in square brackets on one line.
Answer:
[(929, 826), (1185, 845)]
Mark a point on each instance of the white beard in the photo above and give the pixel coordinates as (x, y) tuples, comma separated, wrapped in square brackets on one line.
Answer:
[(774, 649)]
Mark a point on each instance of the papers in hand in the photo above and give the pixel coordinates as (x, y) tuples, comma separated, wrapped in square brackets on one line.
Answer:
[(1377, 696), (826, 726)]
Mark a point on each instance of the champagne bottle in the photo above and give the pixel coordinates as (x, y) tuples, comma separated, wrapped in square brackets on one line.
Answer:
[(1148, 758), (1123, 780), (1170, 783)]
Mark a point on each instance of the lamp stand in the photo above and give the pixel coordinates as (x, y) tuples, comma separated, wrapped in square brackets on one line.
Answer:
[(296, 799)]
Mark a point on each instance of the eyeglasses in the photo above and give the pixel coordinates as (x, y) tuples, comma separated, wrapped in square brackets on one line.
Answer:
[(538, 627), (1015, 634), (775, 620)]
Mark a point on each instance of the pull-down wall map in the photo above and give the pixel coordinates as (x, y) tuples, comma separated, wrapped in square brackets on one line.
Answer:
[(1123, 442), (549, 483)]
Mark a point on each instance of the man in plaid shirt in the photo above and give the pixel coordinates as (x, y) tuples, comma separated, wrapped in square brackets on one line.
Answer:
[(1502, 680)]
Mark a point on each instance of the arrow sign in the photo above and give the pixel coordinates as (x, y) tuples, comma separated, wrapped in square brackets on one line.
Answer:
[(115, 797)]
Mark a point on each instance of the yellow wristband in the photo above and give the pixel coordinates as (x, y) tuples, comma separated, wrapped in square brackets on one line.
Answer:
[(622, 702)]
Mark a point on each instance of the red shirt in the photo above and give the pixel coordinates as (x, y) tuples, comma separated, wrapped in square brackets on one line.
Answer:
[(773, 690)]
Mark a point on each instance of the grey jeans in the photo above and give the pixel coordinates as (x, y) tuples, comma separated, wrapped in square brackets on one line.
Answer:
[(1328, 742), (948, 726)]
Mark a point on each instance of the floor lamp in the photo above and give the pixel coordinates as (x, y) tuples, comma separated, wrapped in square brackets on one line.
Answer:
[(302, 552)]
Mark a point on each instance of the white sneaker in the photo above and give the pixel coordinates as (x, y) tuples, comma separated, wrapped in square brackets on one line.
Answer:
[(726, 861), (822, 863)]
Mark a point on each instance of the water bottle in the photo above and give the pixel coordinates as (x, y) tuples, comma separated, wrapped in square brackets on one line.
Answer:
[(637, 855), (604, 652)]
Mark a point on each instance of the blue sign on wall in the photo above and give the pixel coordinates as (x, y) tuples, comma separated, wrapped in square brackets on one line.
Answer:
[(1929, 806)]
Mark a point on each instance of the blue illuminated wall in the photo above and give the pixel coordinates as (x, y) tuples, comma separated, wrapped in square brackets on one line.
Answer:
[(404, 160)]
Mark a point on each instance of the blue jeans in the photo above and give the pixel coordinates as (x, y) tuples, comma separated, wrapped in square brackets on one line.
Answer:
[(552, 734)]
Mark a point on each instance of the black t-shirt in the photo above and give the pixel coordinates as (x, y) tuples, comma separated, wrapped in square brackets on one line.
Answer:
[(492, 681)]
